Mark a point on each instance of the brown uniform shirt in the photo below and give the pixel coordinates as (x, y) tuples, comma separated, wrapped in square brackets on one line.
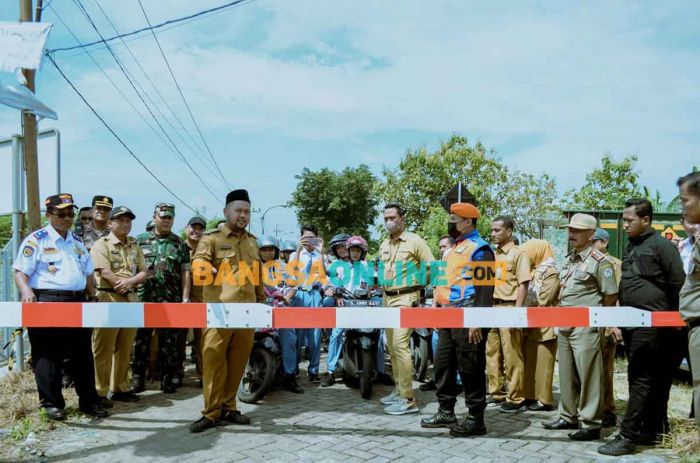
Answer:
[(122, 259), (233, 251), (690, 292), (587, 277), (517, 272), (196, 291), (617, 267), (407, 248)]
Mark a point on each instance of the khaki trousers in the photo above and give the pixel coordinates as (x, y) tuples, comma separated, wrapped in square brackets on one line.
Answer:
[(540, 356), (111, 348), (197, 348), (580, 376), (398, 340), (504, 347), (608, 351), (225, 353)]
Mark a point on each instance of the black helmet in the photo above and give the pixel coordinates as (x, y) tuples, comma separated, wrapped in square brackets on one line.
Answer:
[(340, 238)]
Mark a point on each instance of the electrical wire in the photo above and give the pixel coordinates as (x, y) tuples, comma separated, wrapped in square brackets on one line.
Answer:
[(121, 66), (94, 111), (184, 100), (157, 26)]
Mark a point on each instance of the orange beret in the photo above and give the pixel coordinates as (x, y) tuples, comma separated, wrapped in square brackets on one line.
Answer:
[(465, 210)]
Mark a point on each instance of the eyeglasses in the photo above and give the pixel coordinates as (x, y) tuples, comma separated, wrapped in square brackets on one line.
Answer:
[(64, 215)]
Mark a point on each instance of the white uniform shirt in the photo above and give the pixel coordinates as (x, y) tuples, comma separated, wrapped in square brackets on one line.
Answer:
[(52, 262), (306, 261), (686, 249)]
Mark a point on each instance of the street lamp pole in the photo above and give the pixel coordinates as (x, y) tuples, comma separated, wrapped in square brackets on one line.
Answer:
[(262, 219)]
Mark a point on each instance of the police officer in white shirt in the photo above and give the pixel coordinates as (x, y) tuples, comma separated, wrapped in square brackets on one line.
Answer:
[(54, 266)]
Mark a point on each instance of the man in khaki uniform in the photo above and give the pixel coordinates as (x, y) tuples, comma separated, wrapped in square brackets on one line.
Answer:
[(225, 351), (396, 252), (119, 268), (99, 228), (540, 347), (587, 280), (689, 186), (504, 346), (601, 238)]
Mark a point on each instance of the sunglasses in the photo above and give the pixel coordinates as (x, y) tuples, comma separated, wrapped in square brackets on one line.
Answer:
[(64, 215)]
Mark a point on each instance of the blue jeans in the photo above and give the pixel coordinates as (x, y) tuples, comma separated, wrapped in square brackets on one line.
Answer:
[(291, 339)]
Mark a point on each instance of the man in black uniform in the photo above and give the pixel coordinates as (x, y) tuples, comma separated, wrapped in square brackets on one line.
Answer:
[(54, 266), (462, 349), (652, 276)]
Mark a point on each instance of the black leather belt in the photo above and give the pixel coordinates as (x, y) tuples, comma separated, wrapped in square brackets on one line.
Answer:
[(694, 323), (59, 292), (501, 301), (398, 292)]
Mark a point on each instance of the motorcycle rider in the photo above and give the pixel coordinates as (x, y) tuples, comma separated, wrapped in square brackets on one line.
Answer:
[(286, 249), (357, 249), (339, 252)]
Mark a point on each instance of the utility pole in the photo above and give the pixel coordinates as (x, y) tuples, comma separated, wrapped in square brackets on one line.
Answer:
[(29, 131)]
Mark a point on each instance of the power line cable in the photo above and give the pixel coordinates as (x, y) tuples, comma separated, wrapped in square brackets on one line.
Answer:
[(196, 149), (118, 61), (157, 26), (155, 177), (184, 100)]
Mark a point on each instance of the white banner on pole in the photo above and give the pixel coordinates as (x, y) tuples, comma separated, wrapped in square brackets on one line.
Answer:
[(22, 44)]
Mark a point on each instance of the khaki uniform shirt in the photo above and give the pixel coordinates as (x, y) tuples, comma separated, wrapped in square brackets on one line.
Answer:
[(196, 292), (407, 248), (587, 277), (122, 259), (227, 252), (543, 292), (617, 267), (690, 293), (517, 272)]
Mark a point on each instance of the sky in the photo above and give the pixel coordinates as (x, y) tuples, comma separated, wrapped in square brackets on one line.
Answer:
[(277, 86)]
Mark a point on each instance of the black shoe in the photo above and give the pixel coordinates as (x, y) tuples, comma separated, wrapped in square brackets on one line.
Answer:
[(313, 378), (94, 410), (234, 417), (472, 426), (55, 413), (442, 419), (104, 402), (383, 378), (620, 445), (177, 381), (491, 400), (539, 407), (124, 397), (585, 434), (167, 386), (328, 380), (429, 386), (560, 423), (510, 407), (609, 420), (137, 384), (202, 424), (289, 383)]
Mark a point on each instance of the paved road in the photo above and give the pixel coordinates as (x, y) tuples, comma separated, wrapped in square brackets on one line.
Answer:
[(324, 424)]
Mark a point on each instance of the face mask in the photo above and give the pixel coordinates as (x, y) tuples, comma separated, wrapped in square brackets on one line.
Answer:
[(452, 230), (391, 227)]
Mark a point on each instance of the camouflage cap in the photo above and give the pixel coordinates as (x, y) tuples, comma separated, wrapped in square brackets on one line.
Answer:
[(165, 210)]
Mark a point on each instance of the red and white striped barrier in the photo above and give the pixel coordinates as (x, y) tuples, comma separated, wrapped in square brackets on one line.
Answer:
[(251, 315)]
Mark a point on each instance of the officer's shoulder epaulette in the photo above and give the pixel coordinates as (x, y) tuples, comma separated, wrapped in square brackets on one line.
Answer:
[(250, 235), (598, 256), (41, 234), (211, 232)]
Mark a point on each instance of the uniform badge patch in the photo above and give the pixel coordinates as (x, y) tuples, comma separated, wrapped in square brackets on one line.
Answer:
[(50, 250), (28, 251), (608, 273)]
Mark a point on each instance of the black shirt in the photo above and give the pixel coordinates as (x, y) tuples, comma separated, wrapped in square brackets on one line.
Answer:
[(652, 273)]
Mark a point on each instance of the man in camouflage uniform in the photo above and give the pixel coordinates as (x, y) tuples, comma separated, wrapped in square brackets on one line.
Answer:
[(99, 228), (168, 261)]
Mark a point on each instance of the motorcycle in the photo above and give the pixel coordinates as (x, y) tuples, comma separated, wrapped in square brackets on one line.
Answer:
[(420, 342), (264, 366), (360, 345)]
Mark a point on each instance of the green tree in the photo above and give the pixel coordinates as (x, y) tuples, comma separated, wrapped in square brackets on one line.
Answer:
[(607, 187), (5, 230), (336, 202), (422, 178)]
